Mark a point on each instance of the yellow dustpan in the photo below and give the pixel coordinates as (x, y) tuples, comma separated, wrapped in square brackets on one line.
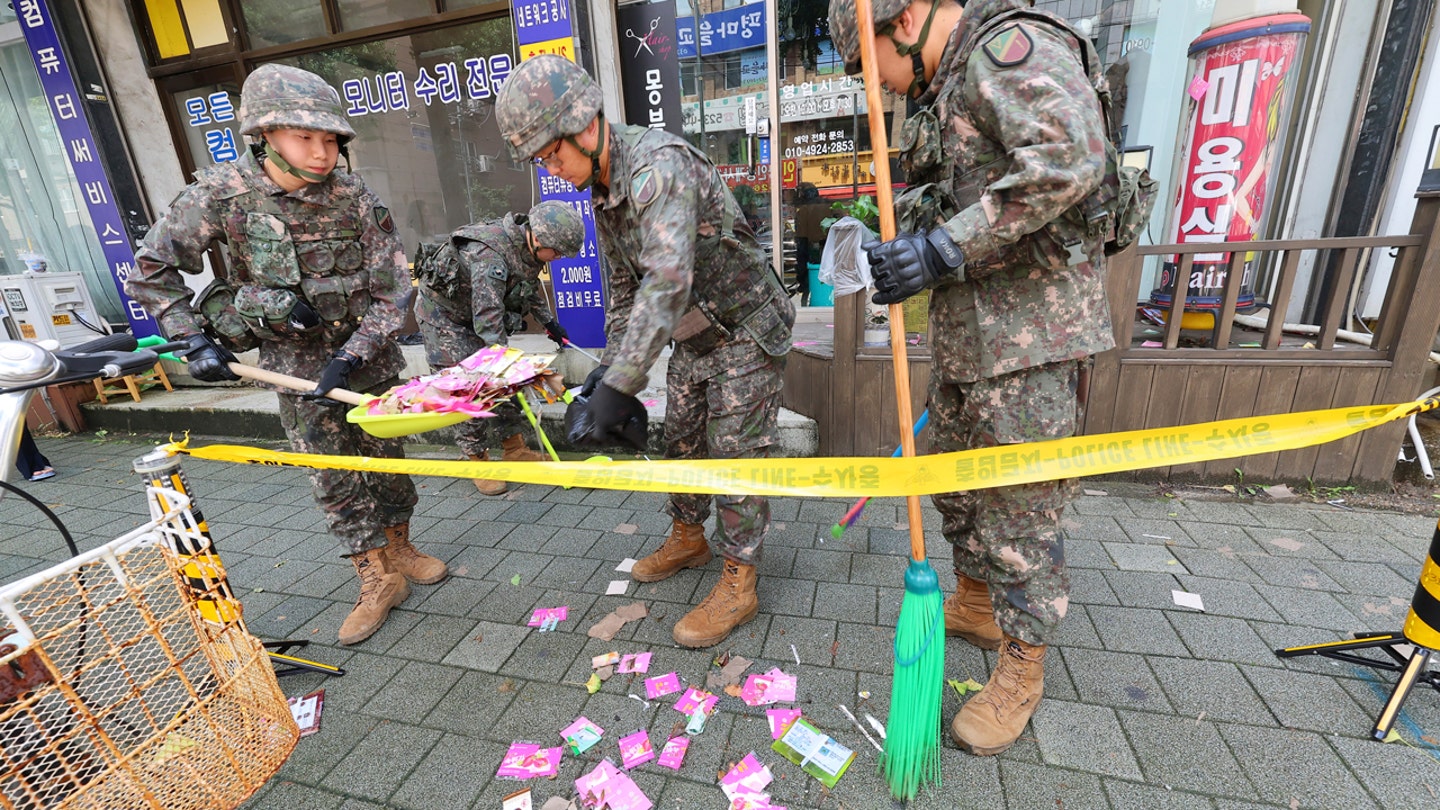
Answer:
[(384, 426)]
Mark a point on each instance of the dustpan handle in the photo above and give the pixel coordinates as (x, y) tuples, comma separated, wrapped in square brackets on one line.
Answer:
[(295, 383)]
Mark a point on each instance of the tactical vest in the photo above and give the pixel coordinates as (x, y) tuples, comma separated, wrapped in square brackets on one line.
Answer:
[(938, 190), (734, 289), (441, 271), (276, 261)]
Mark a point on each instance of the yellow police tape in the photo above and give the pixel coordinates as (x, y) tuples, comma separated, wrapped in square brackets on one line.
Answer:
[(886, 477)]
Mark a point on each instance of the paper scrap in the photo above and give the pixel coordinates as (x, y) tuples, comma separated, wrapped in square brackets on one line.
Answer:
[(527, 761), (608, 786), (548, 618), (306, 711), (626, 564), (773, 687), (581, 735), (635, 662), (746, 782), (1198, 87), (662, 685), (816, 753), (734, 668), (604, 659), (673, 754), (617, 587), (519, 800), (606, 628), (604, 673), (1189, 600), (696, 699), (558, 803), (635, 749), (1096, 493), (780, 720)]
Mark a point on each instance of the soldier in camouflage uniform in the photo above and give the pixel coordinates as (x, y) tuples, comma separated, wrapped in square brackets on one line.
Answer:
[(1004, 159), (476, 290), (314, 274), (684, 266)]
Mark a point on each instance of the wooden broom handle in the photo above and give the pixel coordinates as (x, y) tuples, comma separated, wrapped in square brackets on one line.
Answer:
[(295, 383), (885, 199)]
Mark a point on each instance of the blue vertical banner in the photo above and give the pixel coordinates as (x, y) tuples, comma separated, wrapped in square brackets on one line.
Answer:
[(544, 27), (78, 142)]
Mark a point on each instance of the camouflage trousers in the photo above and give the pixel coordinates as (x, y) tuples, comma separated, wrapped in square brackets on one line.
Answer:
[(447, 343), (358, 506), (724, 407), (1010, 537)]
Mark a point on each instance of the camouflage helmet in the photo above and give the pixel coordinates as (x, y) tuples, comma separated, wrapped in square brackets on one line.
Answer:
[(555, 225), (280, 96), (845, 27), (545, 99)]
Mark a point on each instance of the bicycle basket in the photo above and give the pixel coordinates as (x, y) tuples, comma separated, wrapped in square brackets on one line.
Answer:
[(115, 690)]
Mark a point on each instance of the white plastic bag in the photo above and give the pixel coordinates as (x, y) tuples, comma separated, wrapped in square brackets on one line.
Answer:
[(843, 265)]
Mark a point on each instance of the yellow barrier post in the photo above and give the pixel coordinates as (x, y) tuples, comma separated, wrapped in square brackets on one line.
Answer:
[(1421, 631), (205, 573)]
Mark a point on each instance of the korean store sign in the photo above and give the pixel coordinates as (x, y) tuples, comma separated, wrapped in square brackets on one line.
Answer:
[(78, 141)]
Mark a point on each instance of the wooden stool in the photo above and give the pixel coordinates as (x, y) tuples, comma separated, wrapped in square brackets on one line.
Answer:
[(132, 383)]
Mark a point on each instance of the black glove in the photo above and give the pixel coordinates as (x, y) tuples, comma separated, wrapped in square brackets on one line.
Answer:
[(208, 360), (557, 333), (617, 416), (912, 262), (593, 380), (335, 375)]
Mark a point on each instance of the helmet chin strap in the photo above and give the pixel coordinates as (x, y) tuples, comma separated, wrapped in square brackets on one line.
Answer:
[(919, 84), (593, 155), (283, 165)]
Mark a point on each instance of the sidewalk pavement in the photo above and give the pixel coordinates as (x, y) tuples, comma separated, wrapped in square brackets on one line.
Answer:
[(1147, 705)]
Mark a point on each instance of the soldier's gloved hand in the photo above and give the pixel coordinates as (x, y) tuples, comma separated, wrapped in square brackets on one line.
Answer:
[(617, 416), (912, 262), (207, 360), (593, 380), (557, 333), (303, 317), (335, 375)]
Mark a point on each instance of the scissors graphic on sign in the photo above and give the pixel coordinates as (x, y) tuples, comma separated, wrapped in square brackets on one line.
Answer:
[(645, 40)]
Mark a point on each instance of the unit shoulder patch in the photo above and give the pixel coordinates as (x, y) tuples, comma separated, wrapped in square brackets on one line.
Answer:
[(383, 219), (645, 186), (1008, 47)]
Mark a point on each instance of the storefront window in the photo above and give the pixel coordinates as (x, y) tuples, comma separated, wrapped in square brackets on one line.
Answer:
[(356, 14), (43, 220), (423, 109), (277, 22)]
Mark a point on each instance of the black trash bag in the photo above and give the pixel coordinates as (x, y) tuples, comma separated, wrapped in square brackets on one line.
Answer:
[(579, 426)]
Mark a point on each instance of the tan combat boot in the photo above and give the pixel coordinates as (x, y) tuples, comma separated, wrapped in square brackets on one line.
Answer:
[(380, 590), (969, 615), (686, 547), (731, 603), (404, 558), (485, 485), (516, 450), (992, 721)]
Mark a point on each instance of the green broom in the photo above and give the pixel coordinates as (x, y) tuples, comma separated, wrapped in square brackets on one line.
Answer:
[(912, 733)]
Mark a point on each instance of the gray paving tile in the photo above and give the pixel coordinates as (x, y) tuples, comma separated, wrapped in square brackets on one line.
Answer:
[(1398, 776), (1220, 638), (1313, 776), (1077, 630), (434, 782), (1029, 785), (1083, 737), (1226, 597), (1310, 608), (1139, 557), (1136, 630), (1090, 587), (1289, 572), (1305, 701), (1082, 554), (1206, 562), (413, 692), (844, 602), (487, 646), (1144, 531), (1217, 690), (1131, 796), (1373, 579), (1144, 589), (1185, 755), (378, 762), (1119, 680)]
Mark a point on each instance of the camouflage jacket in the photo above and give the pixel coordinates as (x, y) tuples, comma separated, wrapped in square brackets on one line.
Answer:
[(331, 243), (487, 277), (1014, 128), (679, 251)]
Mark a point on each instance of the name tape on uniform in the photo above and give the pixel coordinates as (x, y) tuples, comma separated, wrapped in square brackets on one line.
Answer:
[(851, 477)]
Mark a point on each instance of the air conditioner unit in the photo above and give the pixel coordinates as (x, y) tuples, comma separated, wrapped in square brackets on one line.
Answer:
[(50, 306)]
